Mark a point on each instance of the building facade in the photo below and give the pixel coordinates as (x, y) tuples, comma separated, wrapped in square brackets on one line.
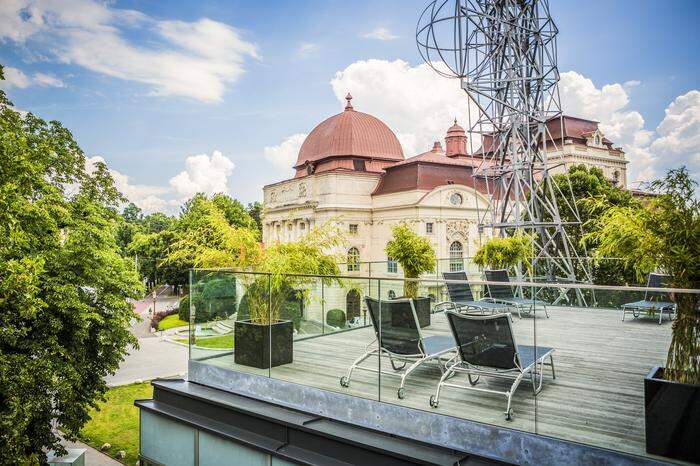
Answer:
[(351, 170)]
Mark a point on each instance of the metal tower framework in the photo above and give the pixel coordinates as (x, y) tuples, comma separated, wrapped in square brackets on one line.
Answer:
[(504, 52)]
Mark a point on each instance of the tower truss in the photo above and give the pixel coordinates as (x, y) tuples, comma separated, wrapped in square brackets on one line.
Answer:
[(504, 53)]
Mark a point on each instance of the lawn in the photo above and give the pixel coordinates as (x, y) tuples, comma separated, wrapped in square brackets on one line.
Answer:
[(171, 321), (117, 421), (220, 342)]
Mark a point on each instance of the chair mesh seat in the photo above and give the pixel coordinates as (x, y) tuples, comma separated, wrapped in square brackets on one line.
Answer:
[(527, 354), (644, 304), (435, 345)]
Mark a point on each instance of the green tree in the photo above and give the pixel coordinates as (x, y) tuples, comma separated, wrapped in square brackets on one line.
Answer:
[(414, 253), (592, 195), (255, 210), (502, 253), (664, 235), (205, 238), (64, 287)]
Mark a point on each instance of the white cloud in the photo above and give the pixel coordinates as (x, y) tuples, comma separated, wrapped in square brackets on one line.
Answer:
[(415, 102), (380, 33), (48, 80), (205, 174), (148, 197), (284, 155), (651, 153), (17, 78), (196, 59), (306, 49), (14, 78), (679, 134)]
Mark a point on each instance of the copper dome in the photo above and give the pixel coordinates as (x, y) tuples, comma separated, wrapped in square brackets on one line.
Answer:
[(350, 133)]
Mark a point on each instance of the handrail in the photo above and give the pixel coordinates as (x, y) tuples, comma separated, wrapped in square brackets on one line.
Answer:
[(583, 286)]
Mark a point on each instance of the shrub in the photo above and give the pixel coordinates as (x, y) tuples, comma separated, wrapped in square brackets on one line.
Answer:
[(158, 316), (505, 252), (287, 300), (414, 253), (336, 318)]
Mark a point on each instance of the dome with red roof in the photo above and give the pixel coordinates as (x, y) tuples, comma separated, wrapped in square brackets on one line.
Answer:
[(350, 134)]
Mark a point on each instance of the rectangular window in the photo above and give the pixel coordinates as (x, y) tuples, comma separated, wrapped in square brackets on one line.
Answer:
[(391, 265), (429, 228), (302, 226), (358, 165), (353, 228)]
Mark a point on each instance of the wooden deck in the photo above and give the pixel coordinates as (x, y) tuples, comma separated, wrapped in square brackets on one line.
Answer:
[(597, 397)]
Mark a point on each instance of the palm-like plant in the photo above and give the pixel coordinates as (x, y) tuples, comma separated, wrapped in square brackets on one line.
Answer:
[(663, 235)]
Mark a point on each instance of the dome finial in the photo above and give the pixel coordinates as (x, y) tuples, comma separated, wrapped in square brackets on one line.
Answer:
[(455, 120), (348, 106)]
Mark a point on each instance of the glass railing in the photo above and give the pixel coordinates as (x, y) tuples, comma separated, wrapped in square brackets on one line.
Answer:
[(564, 360)]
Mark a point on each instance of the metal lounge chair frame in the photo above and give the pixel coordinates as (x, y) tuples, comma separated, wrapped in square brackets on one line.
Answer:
[(504, 294), (409, 347), (654, 280), (461, 297), (509, 360)]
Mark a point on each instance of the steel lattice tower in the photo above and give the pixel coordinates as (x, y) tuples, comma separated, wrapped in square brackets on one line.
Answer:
[(504, 52)]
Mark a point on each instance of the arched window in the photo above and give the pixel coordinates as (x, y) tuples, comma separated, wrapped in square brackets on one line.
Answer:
[(456, 263), (353, 260), (392, 294), (352, 305)]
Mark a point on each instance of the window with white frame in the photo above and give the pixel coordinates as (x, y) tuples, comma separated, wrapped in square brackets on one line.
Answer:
[(429, 228), (353, 260), (456, 263), (353, 228), (391, 265)]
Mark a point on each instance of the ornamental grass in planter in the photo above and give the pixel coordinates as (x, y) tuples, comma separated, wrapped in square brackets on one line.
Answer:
[(416, 256), (284, 275), (664, 235)]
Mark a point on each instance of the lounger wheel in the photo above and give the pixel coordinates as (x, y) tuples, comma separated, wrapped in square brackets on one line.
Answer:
[(401, 393), (510, 414), (344, 382), (433, 402)]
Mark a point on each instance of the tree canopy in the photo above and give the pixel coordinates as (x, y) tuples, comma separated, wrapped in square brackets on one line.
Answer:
[(413, 252), (64, 286)]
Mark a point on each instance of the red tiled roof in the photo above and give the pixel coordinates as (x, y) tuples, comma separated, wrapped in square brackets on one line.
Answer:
[(350, 133)]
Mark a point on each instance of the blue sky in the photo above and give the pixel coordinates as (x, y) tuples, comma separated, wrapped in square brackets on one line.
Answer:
[(107, 72)]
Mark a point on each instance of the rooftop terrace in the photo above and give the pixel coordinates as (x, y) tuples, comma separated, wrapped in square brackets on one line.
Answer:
[(597, 397)]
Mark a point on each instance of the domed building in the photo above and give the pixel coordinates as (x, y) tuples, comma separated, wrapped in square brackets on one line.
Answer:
[(352, 168)]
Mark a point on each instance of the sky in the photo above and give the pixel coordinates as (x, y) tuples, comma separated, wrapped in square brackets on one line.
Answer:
[(179, 97)]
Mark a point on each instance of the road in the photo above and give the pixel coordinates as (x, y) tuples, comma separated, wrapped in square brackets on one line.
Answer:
[(155, 357)]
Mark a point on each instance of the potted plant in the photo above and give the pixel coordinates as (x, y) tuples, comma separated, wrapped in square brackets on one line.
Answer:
[(505, 252), (664, 235), (509, 252), (264, 339), (416, 256)]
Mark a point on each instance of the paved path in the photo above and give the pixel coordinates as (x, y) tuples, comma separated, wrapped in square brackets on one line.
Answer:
[(155, 358), (93, 457)]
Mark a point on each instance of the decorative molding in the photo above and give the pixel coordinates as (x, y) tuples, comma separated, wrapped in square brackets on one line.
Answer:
[(457, 229)]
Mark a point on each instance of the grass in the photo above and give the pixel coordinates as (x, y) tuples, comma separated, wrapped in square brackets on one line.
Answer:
[(117, 421), (171, 321), (220, 342)]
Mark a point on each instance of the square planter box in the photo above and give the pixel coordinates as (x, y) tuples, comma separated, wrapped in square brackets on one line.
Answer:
[(422, 306), (672, 417), (253, 342)]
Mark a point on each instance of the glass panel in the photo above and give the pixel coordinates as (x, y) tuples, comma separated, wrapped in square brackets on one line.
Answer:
[(229, 312), (605, 342), (166, 441), (216, 451), (336, 330), (476, 387)]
